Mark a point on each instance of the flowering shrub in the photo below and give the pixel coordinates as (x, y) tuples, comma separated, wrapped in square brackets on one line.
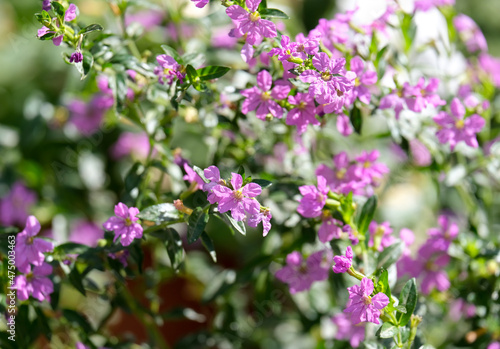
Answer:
[(343, 144)]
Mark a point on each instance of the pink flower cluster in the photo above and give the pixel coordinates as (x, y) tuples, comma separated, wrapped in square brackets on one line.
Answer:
[(432, 257), (14, 207), (168, 70), (124, 224), (30, 251), (237, 198)]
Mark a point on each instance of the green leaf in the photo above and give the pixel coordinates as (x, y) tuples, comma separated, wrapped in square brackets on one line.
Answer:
[(346, 207), (43, 17), (366, 216), (195, 59), (390, 255), (196, 224), (273, 13), (238, 225), (172, 53), (241, 171), (75, 278), (71, 248), (58, 9), (90, 28), (401, 309), (165, 212), (120, 90), (384, 280), (174, 248), (356, 119), (200, 173), (77, 320), (263, 183), (408, 298), (85, 65), (193, 77), (209, 245), (47, 36), (212, 72), (387, 330)]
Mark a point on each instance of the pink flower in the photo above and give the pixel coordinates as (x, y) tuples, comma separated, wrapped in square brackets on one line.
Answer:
[(239, 200), (124, 224), (429, 267), (70, 13), (368, 170), (86, 233), (363, 307), (494, 345), (44, 30), (330, 228), (342, 264), (341, 178), (46, 5), (420, 154), (303, 114), (347, 331), (87, 116), (453, 128), (419, 96), (250, 23), (30, 249), (459, 308), (329, 80), (364, 80), (168, 70), (426, 5), (212, 173), (313, 199), (392, 101), (200, 3), (491, 67), (381, 233), (300, 274), (470, 33), (14, 207), (261, 97), (130, 143), (35, 283), (440, 238), (192, 177), (148, 19), (263, 216), (121, 256)]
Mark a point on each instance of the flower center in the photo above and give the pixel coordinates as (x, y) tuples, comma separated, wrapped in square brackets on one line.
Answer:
[(303, 269), (29, 276), (367, 300), (341, 173), (128, 222), (326, 76), (266, 96), (302, 105), (320, 198), (30, 240), (340, 93), (357, 82), (460, 124), (367, 164), (254, 17), (430, 266), (238, 194)]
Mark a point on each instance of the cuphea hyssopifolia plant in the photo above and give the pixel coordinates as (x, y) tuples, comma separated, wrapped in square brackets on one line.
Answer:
[(349, 72)]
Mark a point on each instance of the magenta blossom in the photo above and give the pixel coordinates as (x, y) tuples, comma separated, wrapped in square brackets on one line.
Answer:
[(300, 274), (200, 3), (330, 228), (363, 307), (129, 143), (470, 33), (261, 98), (286, 50), (250, 23), (380, 235), (491, 67), (70, 13), (314, 199), (459, 308), (86, 233), (168, 70), (303, 114), (426, 5), (368, 170), (420, 154), (192, 177), (14, 207), (30, 249), (419, 96), (429, 267), (239, 200), (440, 238), (212, 173), (347, 331), (76, 57), (343, 263), (263, 216), (365, 79), (454, 128), (87, 116), (35, 283), (329, 80), (46, 5), (121, 256), (341, 179), (57, 40), (124, 224)]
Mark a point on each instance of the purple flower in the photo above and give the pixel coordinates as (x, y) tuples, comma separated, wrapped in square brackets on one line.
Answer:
[(363, 307), (440, 238), (70, 13), (212, 173), (392, 101), (250, 23), (313, 199), (130, 143), (261, 98), (239, 200), (192, 177), (420, 154), (459, 308), (426, 5), (491, 67), (453, 128), (86, 233), (15, 205), (429, 266), (168, 70), (306, 46), (342, 264), (470, 33), (35, 283), (364, 80), (329, 228), (263, 216), (300, 274), (124, 224), (380, 235), (76, 57), (46, 5), (44, 30), (87, 117), (148, 19), (121, 256), (200, 3), (332, 32), (303, 114), (368, 170), (419, 96), (347, 331), (329, 80), (286, 50), (494, 345), (30, 249), (341, 178)]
